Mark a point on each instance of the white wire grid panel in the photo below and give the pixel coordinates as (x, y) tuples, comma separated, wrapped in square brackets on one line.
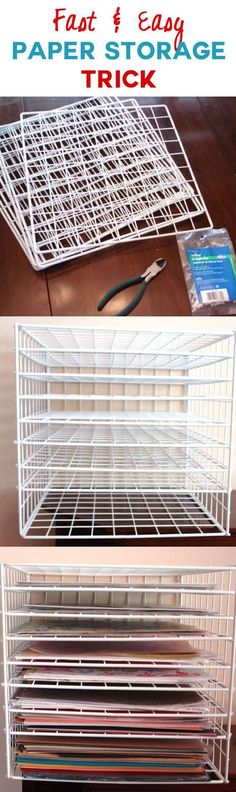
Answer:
[(200, 600), (95, 173), (123, 433)]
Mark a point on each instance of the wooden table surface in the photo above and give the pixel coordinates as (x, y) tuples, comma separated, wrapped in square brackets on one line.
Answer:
[(207, 129)]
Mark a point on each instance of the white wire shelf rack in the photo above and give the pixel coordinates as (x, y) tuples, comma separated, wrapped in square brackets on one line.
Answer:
[(164, 700), (123, 433), (101, 171)]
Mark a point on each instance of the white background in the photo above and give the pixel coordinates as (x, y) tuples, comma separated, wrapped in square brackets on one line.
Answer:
[(205, 20)]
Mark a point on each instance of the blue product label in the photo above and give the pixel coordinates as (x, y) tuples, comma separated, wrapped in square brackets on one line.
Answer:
[(214, 273)]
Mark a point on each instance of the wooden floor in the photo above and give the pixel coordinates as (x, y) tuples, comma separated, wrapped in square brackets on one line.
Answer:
[(207, 129)]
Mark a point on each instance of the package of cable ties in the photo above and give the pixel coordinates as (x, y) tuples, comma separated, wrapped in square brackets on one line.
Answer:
[(209, 266)]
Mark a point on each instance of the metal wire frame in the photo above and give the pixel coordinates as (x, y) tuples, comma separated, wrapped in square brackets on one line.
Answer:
[(120, 166), (209, 589), (123, 433), (9, 214), (59, 346), (129, 132)]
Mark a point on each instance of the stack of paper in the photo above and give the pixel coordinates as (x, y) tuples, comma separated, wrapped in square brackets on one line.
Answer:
[(93, 675), (111, 758), (89, 628), (171, 651), (184, 711), (114, 714), (111, 693)]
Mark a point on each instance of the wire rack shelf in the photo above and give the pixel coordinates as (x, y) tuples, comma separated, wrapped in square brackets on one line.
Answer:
[(169, 696), (99, 172), (123, 433)]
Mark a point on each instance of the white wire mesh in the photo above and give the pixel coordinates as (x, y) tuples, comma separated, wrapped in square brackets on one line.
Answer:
[(123, 433), (195, 599), (88, 175)]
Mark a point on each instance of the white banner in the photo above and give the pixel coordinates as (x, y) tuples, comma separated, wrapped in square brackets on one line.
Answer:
[(166, 48)]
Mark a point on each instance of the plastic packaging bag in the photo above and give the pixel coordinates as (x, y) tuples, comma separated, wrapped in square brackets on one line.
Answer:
[(209, 267)]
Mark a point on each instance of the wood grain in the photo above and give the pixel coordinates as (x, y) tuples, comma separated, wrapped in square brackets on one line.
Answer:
[(23, 292), (222, 116)]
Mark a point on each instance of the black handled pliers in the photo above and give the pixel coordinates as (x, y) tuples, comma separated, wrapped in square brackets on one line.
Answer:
[(144, 279)]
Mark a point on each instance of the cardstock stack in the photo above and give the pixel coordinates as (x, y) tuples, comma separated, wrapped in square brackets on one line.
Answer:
[(119, 758)]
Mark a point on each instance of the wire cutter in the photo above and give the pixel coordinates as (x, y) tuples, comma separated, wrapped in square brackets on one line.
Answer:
[(143, 279)]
